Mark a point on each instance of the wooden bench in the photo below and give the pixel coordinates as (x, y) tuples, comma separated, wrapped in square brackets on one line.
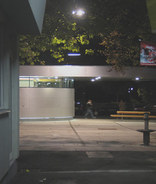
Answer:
[(131, 114), (138, 114)]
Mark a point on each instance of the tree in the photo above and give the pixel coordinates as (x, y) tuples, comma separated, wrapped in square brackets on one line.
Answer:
[(116, 25), (53, 42), (128, 25)]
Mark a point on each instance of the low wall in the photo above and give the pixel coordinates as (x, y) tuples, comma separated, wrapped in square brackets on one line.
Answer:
[(47, 103)]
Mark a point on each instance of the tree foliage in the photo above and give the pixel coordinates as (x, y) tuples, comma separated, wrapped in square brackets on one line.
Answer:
[(119, 25), (54, 42), (127, 24)]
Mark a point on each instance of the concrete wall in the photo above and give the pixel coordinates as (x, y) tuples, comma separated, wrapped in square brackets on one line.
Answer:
[(18, 16), (9, 118), (46, 103)]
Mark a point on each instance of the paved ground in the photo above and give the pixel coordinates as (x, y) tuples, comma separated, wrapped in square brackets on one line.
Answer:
[(85, 135), (84, 151)]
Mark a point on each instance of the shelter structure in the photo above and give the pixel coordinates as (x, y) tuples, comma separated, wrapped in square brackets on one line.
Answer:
[(47, 92)]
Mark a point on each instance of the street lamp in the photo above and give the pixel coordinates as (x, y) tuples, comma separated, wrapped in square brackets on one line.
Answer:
[(78, 12)]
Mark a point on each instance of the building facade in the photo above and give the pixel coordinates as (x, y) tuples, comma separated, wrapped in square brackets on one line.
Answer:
[(16, 17)]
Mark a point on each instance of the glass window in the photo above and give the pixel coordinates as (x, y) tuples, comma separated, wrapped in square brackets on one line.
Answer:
[(24, 82), (45, 82)]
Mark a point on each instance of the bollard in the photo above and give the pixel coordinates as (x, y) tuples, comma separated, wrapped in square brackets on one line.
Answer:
[(146, 131), (146, 137), (146, 118)]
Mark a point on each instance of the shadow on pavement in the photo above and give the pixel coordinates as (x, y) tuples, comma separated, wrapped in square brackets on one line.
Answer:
[(80, 167)]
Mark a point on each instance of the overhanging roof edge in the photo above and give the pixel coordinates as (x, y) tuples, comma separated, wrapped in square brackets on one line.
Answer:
[(23, 15), (89, 71)]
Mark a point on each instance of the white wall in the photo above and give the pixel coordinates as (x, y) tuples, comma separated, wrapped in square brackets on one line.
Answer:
[(46, 102)]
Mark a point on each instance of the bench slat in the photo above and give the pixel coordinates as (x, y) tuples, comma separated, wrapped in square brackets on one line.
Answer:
[(132, 112), (130, 116), (126, 115), (152, 116)]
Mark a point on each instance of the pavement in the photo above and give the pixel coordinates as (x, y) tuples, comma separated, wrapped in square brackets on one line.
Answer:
[(85, 151)]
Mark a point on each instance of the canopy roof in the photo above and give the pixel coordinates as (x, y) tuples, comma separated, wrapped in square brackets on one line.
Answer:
[(26, 15)]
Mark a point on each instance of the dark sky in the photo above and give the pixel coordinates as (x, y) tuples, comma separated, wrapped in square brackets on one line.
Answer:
[(130, 10)]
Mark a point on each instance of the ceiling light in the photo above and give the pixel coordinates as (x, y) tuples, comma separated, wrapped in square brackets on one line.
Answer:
[(74, 54), (137, 78), (92, 80)]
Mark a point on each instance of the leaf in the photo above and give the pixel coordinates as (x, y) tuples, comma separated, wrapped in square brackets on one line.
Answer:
[(89, 51)]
